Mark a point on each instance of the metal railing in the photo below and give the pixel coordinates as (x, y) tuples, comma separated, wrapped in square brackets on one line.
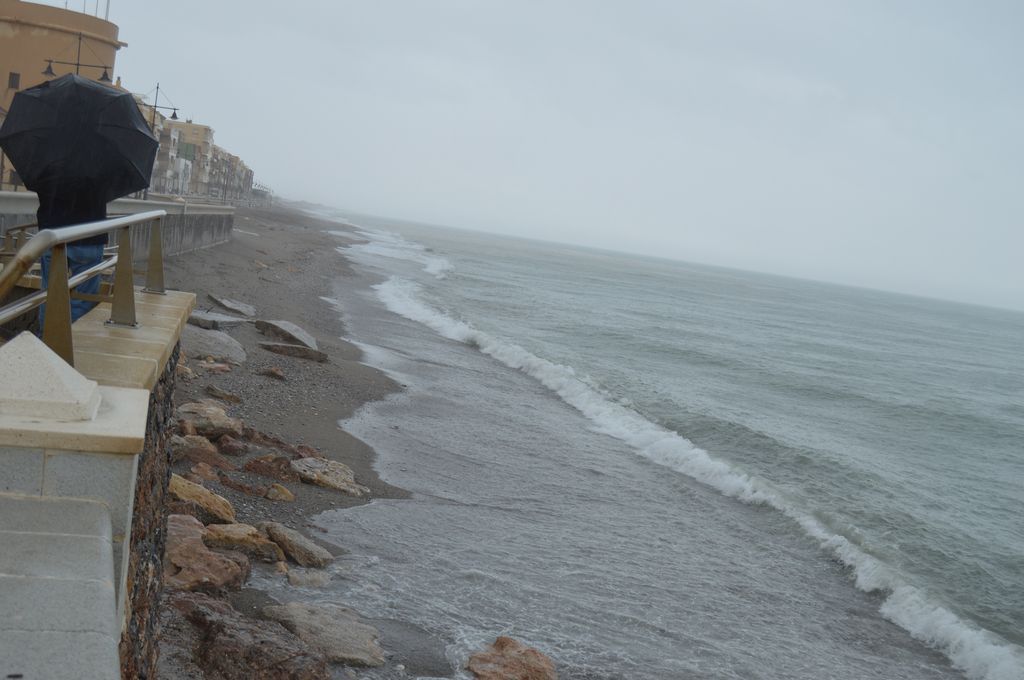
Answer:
[(58, 293)]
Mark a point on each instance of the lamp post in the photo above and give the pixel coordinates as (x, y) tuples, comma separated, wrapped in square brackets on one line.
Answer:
[(156, 105), (152, 121), (77, 63)]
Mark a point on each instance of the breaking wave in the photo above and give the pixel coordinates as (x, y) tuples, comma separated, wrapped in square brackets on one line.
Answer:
[(982, 655), (393, 246)]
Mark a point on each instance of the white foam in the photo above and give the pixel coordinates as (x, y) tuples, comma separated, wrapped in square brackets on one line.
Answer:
[(391, 245), (980, 654)]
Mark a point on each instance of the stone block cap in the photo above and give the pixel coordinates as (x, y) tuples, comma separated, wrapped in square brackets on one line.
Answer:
[(36, 383)]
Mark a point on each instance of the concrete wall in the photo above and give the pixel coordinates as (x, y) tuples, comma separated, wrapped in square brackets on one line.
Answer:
[(186, 227)]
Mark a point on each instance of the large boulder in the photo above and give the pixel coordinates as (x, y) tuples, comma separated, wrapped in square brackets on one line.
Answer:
[(244, 538), (215, 321), (329, 474), (302, 550), (300, 351), (209, 419), (234, 305), (181, 446), (509, 659), (277, 492), (190, 565), (274, 467), (190, 492), (287, 331), (335, 631), (200, 343), (236, 647)]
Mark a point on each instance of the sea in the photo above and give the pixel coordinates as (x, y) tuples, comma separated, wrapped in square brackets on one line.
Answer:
[(652, 469)]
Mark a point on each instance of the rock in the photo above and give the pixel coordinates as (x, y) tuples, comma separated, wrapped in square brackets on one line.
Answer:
[(223, 395), (234, 306), (287, 331), (308, 578), (205, 455), (281, 567), (300, 351), (183, 446), (273, 372), (192, 509), (276, 492), (329, 474), (274, 467), (244, 538), (250, 489), (209, 419), (230, 446), (204, 471), (200, 343), (183, 372), (184, 428), (215, 367), (302, 550), (190, 565), (265, 439), (236, 647), (187, 491), (335, 631), (306, 451), (509, 659), (214, 321)]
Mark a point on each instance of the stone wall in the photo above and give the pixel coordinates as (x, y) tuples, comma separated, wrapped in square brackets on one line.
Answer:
[(139, 647)]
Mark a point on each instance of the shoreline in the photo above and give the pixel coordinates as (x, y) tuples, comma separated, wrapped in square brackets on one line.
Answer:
[(285, 263)]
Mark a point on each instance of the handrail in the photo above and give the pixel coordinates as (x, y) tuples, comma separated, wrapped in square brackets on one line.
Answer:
[(45, 239), (57, 296)]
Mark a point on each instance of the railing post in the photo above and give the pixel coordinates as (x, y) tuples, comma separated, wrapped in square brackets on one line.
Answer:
[(155, 266), (122, 309), (57, 317)]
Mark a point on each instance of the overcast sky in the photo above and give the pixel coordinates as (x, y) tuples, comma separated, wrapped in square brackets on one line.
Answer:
[(877, 143)]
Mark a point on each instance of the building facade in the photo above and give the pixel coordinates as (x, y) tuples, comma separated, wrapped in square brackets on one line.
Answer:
[(33, 36)]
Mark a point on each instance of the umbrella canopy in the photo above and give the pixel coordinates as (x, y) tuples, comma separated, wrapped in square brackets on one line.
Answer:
[(72, 135)]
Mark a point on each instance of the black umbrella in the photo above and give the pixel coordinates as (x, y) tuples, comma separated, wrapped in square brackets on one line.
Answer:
[(71, 138)]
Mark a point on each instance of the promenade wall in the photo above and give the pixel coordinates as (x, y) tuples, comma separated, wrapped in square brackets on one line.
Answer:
[(186, 227)]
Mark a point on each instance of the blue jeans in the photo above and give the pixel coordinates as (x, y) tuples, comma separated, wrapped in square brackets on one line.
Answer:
[(80, 258)]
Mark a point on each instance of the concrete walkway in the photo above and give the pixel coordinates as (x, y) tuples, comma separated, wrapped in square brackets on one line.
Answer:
[(57, 589)]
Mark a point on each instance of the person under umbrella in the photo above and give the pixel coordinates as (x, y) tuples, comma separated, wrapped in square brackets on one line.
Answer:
[(79, 145)]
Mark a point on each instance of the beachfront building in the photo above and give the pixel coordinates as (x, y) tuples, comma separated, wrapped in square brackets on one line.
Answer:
[(194, 143), (230, 178), (35, 38)]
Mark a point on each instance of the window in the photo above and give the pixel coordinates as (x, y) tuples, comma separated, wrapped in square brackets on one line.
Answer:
[(13, 81)]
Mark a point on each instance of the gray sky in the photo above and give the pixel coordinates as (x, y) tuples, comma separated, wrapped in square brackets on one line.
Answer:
[(877, 143)]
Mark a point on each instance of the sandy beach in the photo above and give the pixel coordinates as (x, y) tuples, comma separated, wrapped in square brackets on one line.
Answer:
[(284, 263)]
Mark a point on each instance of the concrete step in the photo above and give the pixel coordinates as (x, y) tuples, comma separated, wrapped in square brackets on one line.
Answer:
[(58, 615)]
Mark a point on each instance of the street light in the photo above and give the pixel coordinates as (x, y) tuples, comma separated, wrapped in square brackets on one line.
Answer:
[(156, 105), (77, 63)]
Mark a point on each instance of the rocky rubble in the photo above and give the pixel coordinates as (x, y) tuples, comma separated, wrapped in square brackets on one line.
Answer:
[(297, 547), (328, 473), (300, 351), (208, 418), (190, 565), (509, 659), (211, 503), (244, 538), (336, 632), (234, 647), (287, 331)]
